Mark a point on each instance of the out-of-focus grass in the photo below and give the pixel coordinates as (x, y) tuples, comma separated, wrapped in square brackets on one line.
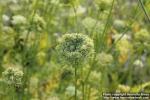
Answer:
[(30, 30)]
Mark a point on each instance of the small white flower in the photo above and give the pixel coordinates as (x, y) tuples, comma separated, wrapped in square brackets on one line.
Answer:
[(104, 59), (142, 35), (138, 63), (119, 24), (13, 76), (70, 90), (5, 18), (19, 19)]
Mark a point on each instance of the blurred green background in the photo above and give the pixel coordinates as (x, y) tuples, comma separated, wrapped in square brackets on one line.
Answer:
[(30, 30)]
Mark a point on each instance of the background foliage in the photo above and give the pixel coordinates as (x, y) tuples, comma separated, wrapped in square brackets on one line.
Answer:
[(30, 31)]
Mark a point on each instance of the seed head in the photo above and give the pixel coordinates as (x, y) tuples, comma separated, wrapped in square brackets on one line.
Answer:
[(13, 76), (142, 36), (75, 48)]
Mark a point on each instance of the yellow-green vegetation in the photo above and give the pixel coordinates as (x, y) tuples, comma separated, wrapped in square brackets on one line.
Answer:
[(73, 49)]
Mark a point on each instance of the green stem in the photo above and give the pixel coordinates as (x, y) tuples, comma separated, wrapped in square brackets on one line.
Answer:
[(87, 77), (88, 93), (83, 95), (143, 8), (75, 83), (31, 19), (19, 95), (83, 87), (136, 14), (107, 22), (76, 18)]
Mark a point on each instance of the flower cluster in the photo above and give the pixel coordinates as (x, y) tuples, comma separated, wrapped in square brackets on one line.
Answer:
[(38, 22), (13, 76), (138, 63), (95, 78), (70, 91), (19, 20), (75, 48), (119, 24), (142, 36), (125, 49), (104, 59), (123, 88), (141, 40)]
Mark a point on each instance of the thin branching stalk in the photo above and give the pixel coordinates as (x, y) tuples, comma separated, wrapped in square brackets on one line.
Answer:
[(136, 14), (97, 17), (1, 24), (76, 18), (19, 94), (88, 93), (32, 17), (26, 70), (107, 22), (83, 92), (87, 77), (145, 11), (83, 86)]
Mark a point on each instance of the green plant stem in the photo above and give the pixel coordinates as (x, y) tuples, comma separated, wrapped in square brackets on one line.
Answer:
[(136, 14), (76, 18), (1, 12), (75, 83), (19, 95), (85, 81), (107, 22), (97, 17), (88, 93), (83, 86), (143, 8), (83, 94), (31, 19), (87, 77)]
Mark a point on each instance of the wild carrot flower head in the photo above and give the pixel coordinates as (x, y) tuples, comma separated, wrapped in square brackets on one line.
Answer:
[(38, 22), (70, 91), (123, 88), (94, 78), (104, 59), (19, 20), (75, 48), (138, 63), (125, 49), (13, 76), (119, 24), (142, 35)]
